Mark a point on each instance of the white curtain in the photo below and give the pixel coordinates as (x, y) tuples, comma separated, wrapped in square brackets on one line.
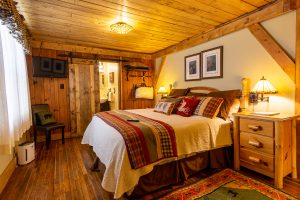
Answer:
[(15, 112)]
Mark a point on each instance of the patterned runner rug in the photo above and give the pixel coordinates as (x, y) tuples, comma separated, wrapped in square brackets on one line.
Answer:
[(224, 185)]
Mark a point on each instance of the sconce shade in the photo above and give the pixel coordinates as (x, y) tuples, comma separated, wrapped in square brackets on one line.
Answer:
[(263, 86), (162, 90)]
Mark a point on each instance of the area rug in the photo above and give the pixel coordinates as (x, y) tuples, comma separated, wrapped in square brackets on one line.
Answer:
[(224, 185)]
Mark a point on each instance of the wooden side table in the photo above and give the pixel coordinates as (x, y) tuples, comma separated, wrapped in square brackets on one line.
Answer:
[(266, 144)]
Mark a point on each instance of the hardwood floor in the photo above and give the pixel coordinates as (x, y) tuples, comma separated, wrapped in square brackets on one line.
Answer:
[(62, 172)]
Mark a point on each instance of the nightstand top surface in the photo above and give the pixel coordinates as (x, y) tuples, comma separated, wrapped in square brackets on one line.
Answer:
[(278, 117)]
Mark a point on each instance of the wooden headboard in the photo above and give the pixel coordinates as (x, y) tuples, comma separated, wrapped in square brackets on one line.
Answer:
[(203, 89), (245, 82)]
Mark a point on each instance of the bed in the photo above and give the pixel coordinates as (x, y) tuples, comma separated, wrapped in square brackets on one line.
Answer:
[(193, 135)]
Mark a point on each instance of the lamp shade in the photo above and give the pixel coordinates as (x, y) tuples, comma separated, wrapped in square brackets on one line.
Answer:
[(162, 90), (263, 86)]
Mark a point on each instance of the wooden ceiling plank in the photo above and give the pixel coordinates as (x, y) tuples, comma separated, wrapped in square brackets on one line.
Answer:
[(98, 5), (104, 43), (60, 39), (113, 13), (44, 27), (156, 12), (274, 49), (96, 23), (35, 21), (268, 12), (236, 6), (157, 23), (256, 3), (79, 24), (90, 50)]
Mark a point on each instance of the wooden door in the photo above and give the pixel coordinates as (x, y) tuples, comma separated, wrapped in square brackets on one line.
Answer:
[(84, 96)]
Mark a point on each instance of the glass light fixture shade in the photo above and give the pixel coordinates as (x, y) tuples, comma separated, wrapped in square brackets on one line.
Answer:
[(162, 90), (121, 27), (263, 86)]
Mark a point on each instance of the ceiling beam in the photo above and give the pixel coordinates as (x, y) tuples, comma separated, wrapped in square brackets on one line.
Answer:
[(159, 69), (90, 50), (274, 49), (267, 12)]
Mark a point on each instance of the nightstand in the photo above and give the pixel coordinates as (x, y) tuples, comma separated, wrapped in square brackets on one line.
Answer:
[(266, 144)]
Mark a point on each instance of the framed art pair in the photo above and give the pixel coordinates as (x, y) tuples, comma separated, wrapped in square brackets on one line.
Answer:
[(205, 65)]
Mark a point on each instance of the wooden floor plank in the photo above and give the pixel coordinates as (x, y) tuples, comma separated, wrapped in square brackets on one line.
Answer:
[(62, 172)]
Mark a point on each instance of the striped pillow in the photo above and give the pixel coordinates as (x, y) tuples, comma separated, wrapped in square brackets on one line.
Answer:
[(208, 106), (164, 107)]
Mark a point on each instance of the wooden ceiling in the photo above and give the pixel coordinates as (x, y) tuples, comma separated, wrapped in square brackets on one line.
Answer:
[(157, 23)]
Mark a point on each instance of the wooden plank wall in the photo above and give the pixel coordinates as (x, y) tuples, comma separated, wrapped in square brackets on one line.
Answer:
[(47, 90), (127, 87), (84, 96)]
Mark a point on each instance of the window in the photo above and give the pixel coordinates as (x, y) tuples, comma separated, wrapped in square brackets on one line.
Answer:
[(15, 112)]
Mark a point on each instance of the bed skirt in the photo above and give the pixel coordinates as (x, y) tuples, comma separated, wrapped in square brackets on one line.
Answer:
[(178, 171)]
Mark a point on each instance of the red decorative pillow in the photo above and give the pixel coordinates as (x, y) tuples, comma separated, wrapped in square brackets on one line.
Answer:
[(187, 106)]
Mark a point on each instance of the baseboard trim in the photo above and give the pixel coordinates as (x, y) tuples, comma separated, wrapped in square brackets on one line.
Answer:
[(4, 177)]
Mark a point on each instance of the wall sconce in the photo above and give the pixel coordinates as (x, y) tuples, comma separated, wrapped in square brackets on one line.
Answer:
[(263, 86), (162, 90)]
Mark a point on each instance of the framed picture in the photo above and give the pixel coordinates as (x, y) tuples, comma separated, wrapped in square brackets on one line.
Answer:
[(192, 67), (59, 66), (111, 77), (212, 63), (46, 64)]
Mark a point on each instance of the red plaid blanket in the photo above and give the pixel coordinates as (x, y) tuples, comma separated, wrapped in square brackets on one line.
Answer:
[(147, 140)]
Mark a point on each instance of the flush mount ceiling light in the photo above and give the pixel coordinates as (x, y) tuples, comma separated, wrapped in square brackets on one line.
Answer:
[(121, 27)]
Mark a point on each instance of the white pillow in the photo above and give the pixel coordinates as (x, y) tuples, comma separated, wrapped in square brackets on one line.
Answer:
[(144, 93)]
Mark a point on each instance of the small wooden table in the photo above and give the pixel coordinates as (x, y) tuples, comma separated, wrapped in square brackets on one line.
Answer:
[(266, 144)]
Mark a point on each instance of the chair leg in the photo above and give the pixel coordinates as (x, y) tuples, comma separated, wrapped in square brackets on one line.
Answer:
[(63, 135), (48, 138), (34, 135)]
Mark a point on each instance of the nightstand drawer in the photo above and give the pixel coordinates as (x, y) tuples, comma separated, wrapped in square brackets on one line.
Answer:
[(257, 142), (257, 160), (257, 126)]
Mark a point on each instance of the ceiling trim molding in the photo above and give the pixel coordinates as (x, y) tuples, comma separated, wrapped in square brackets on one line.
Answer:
[(267, 12)]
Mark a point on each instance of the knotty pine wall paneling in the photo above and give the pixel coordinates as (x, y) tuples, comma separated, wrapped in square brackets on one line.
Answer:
[(52, 91), (127, 87), (47, 90)]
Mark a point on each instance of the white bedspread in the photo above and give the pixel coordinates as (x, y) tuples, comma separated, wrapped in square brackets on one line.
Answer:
[(193, 134)]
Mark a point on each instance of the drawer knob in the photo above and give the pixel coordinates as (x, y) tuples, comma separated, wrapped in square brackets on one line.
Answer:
[(255, 127), (253, 159), (255, 143)]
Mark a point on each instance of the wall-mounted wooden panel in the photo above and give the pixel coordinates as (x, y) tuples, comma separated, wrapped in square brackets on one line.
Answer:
[(84, 96)]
